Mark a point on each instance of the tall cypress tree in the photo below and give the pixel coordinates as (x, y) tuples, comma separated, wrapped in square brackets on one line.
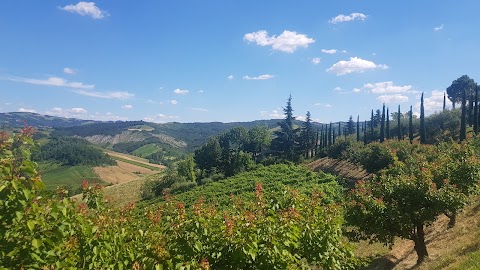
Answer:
[(339, 129), (372, 133), (330, 134), (444, 101), (423, 135), (317, 137), (470, 110), (399, 123), (410, 125), (388, 124), (333, 137), (475, 114), (325, 135), (365, 139), (382, 125), (358, 128), (463, 123)]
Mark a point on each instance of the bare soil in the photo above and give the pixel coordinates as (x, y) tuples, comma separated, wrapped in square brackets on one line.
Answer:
[(342, 168)]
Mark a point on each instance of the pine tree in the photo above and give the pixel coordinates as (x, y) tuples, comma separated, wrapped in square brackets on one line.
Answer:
[(387, 126), (382, 125), (410, 125), (350, 125), (307, 136), (358, 128), (372, 123), (286, 142), (399, 123), (463, 124), (423, 135)]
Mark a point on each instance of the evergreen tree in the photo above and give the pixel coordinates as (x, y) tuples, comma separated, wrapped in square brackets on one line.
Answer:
[(444, 101), (399, 124), (333, 137), (325, 144), (382, 125), (475, 114), (317, 137), (365, 140), (286, 142), (463, 124), (330, 134), (470, 110), (350, 125), (372, 124), (410, 125), (307, 137), (387, 126), (339, 129), (358, 128), (423, 137)]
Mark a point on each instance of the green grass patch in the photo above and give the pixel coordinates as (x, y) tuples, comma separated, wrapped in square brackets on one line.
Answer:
[(146, 150), (136, 163), (54, 175)]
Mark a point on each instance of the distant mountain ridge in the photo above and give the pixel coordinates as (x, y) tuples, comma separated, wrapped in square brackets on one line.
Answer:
[(20, 119)]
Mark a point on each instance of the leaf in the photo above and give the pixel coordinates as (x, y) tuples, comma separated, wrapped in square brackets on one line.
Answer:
[(31, 225), (27, 193), (36, 243)]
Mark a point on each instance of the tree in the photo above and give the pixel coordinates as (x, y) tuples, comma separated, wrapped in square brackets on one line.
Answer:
[(365, 139), (423, 138), (307, 136), (475, 113), (410, 125), (382, 125), (350, 125), (330, 134), (455, 90), (399, 124), (358, 128), (387, 126), (186, 168), (444, 101), (286, 142), (208, 157), (372, 124), (463, 124), (258, 139), (470, 110)]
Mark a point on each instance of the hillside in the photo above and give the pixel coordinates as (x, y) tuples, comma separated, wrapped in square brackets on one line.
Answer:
[(19, 119)]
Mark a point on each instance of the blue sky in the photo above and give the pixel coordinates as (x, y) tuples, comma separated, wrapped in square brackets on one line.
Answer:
[(201, 61)]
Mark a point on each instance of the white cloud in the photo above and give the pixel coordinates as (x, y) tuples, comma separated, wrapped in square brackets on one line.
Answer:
[(79, 110), (387, 88), (324, 105), (344, 51), (438, 28), (261, 77), (433, 103), (231, 77), (355, 64), (199, 109), (159, 118), (200, 91), (330, 51), (127, 107), (356, 90), (395, 98), (347, 18), (338, 88), (179, 91), (86, 9), (300, 118), (52, 81), (108, 95), (288, 41), (274, 114), (70, 71), (173, 102), (107, 117), (316, 60), (26, 110)]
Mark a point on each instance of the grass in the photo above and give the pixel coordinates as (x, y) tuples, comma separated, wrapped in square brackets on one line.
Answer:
[(54, 175), (146, 150), (136, 163)]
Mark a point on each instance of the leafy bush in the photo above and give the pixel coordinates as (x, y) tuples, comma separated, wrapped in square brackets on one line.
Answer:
[(376, 157)]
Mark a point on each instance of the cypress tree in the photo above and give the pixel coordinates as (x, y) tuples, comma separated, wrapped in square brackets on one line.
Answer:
[(339, 130), (475, 114), (410, 125), (388, 125), (333, 137), (399, 123), (372, 134), (316, 143), (325, 135), (470, 111), (382, 125), (444, 101), (330, 134), (358, 128), (345, 131), (423, 136), (365, 141), (463, 124)]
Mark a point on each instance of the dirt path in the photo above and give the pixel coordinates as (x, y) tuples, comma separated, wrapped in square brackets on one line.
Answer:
[(133, 158), (342, 168)]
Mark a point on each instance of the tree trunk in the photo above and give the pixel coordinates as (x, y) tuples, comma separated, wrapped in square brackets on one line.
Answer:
[(420, 247), (453, 218)]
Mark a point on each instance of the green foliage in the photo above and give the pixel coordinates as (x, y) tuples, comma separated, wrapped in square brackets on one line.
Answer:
[(458, 86), (375, 157), (286, 142), (70, 177), (73, 151)]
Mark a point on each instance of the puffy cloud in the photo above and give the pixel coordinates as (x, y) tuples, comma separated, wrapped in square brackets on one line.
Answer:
[(108, 95), (261, 77), (159, 118), (330, 51), (274, 114), (395, 98), (356, 90), (70, 71), (127, 107), (433, 103), (179, 91), (173, 102), (288, 41), (338, 88), (355, 64), (52, 81), (79, 110), (231, 77), (86, 9), (388, 88), (438, 28), (347, 18), (316, 60), (69, 113), (26, 110)]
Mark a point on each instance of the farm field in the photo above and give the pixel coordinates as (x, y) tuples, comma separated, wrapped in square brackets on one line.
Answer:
[(56, 175)]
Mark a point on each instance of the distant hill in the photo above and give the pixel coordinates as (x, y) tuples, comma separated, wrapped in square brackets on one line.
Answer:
[(18, 119)]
